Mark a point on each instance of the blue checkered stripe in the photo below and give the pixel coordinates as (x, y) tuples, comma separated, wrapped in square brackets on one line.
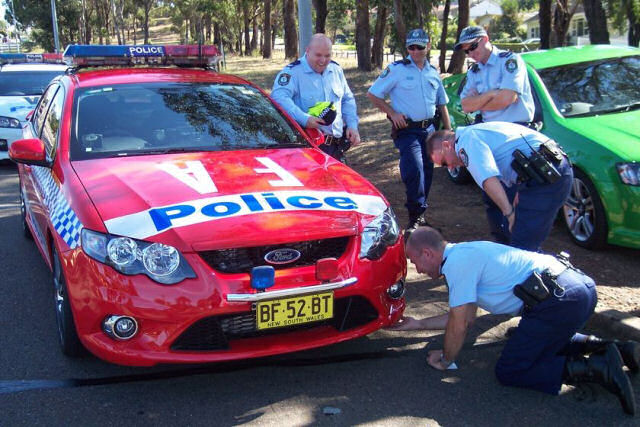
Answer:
[(64, 219)]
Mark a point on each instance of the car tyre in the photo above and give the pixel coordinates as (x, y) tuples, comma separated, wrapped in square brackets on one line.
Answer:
[(23, 217), (584, 213), (460, 175), (67, 333)]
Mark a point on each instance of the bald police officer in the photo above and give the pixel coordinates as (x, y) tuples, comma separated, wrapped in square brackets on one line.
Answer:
[(314, 79), (545, 349), (498, 86), (488, 151), (416, 92)]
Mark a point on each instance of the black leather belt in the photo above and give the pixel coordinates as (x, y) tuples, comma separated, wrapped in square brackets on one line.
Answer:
[(420, 124), (332, 140)]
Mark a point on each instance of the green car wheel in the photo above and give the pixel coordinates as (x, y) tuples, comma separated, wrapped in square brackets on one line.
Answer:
[(584, 214)]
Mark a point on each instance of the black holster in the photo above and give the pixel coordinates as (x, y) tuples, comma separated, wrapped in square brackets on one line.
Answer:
[(537, 288)]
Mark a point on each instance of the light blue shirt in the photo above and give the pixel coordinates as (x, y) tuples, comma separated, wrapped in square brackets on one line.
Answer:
[(503, 70), (485, 273), (486, 149), (298, 87), (412, 91)]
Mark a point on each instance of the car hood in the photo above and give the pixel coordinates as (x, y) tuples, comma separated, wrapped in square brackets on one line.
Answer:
[(214, 200), (618, 132), (17, 106)]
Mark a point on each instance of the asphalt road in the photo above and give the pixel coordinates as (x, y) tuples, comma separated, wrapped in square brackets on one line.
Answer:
[(379, 379)]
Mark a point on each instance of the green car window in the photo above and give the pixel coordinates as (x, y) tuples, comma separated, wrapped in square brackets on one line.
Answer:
[(596, 87)]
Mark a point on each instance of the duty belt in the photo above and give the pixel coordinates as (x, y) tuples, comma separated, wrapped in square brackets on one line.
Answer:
[(420, 124), (332, 140)]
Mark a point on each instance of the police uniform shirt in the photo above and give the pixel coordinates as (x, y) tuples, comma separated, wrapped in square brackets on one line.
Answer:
[(298, 87), (412, 91), (485, 273), (486, 149), (503, 70)]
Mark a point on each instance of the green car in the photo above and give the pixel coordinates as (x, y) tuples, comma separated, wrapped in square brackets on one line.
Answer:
[(588, 99)]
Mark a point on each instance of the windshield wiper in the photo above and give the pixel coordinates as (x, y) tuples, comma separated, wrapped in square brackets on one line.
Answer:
[(625, 108), (161, 151)]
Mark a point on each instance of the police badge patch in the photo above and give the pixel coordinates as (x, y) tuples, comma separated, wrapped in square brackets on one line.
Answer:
[(284, 79), (385, 73), (511, 65), (464, 157)]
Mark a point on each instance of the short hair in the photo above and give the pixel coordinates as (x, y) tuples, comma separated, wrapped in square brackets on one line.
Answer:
[(426, 237), (435, 139), (319, 39)]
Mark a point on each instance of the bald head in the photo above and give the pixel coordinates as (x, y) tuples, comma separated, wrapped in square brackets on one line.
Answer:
[(426, 237), (318, 52)]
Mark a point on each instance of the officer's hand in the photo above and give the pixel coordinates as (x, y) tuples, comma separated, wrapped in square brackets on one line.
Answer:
[(434, 360), (406, 323), (398, 120), (353, 136), (512, 220), (314, 122)]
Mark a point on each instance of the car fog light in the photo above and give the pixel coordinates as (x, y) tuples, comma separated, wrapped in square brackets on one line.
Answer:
[(396, 291), (120, 327), (326, 269)]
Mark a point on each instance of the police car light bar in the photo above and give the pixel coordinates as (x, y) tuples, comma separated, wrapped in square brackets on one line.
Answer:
[(27, 58), (127, 55)]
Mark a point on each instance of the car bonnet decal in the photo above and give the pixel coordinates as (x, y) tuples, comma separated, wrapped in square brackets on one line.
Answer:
[(156, 220), (64, 219)]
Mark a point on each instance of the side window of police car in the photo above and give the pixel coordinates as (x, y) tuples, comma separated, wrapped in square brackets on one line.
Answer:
[(51, 124), (41, 109)]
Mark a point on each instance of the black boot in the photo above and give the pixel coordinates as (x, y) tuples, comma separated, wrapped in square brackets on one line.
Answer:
[(415, 221), (630, 350), (606, 370)]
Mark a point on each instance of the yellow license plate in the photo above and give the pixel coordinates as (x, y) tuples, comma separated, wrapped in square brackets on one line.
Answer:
[(294, 311)]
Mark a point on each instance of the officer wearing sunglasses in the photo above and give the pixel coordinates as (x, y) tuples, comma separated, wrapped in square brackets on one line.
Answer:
[(498, 87), (417, 97)]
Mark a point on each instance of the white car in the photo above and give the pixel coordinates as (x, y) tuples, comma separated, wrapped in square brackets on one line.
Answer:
[(21, 86)]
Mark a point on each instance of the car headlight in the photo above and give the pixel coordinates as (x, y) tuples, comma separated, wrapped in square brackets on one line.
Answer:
[(629, 173), (379, 234), (9, 122), (162, 263)]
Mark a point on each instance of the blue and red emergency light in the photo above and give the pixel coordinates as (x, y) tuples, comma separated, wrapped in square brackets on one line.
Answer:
[(28, 58), (126, 55)]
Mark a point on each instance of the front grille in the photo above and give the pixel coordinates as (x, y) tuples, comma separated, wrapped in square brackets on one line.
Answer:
[(215, 333), (3, 145), (242, 260)]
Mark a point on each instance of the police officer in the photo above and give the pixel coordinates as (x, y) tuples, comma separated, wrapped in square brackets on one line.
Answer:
[(315, 79), (498, 86), (417, 97), (544, 351), (487, 151)]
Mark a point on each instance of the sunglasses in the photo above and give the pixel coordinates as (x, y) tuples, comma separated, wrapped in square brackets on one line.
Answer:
[(473, 47), (416, 47)]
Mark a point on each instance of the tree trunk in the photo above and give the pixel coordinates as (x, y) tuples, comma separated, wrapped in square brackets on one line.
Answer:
[(401, 29), (544, 17), (457, 59), (597, 21), (561, 21), (290, 35), (145, 24), (634, 26), (254, 35), (266, 46), (363, 35), (135, 29), (207, 25), (245, 25), (420, 9), (377, 54), (443, 36), (321, 15)]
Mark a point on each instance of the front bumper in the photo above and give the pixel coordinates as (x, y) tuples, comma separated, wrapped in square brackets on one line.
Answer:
[(7, 136), (176, 322)]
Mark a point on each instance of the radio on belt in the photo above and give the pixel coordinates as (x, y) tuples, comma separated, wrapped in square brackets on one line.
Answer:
[(128, 55)]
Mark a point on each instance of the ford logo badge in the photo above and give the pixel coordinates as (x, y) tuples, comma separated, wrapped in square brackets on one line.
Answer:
[(282, 256)]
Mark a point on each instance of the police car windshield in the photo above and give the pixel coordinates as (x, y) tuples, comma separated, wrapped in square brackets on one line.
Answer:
[(596, 87), (158, 118), (25, 83)]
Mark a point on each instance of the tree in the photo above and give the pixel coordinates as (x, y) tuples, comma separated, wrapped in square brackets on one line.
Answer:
[(146, 7), (443, 36), (377, 51), (363, 35), (626, 14), (597, 21), (398, 16), (321, 15), (290, 34), (544, 17), (562, 15), (457, 60), (266, 28), (338, 16), (509, 21)]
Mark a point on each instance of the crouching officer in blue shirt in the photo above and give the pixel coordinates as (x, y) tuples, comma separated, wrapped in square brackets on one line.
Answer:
[(312, 81), (417, 97), (545, 350), (505, 154)]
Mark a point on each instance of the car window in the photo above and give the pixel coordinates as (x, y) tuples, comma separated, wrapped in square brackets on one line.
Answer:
[(25, 83), (42, 107), (596, 87), (52, 123), (137, 119)]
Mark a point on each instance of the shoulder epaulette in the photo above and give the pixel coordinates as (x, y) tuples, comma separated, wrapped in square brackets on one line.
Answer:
[(334, 62), (475, 68), (404, 61), (294, 63), (505, 54)]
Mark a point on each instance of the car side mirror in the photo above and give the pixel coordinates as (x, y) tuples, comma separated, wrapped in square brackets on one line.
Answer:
[(29, 152), (316, 137)]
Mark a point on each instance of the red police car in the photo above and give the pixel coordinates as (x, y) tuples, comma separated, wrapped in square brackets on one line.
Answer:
[(187, 219)]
